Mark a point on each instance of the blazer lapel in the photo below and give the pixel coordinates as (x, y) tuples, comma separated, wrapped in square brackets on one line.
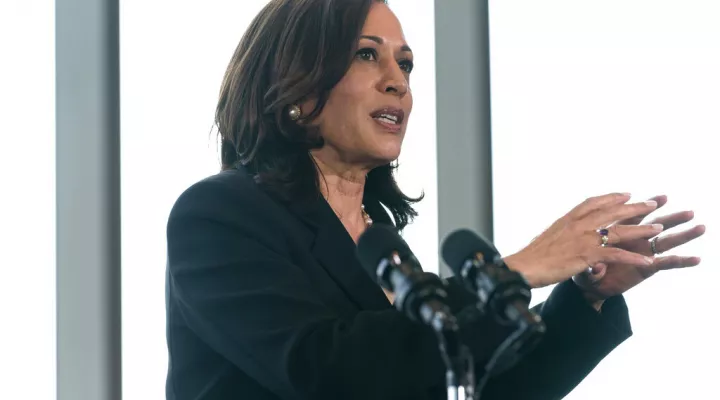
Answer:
[(336, 251)]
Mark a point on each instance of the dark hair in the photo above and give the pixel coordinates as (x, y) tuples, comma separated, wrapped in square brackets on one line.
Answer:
[(294, 50)]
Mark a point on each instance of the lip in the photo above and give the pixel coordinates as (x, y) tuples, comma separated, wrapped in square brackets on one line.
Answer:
[(394, 111), (397, 112)]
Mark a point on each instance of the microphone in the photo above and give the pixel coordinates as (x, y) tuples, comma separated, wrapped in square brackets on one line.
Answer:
[(421, 296), (502, 292)]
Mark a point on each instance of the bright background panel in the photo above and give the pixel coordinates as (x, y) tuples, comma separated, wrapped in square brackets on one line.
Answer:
[(27, 199), (591, 97)]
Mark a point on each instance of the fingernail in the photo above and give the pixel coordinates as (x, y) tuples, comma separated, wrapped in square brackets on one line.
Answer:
[(658, 227), (651, 203), (649, 260)]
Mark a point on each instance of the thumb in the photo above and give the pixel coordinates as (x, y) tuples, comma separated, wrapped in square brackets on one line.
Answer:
[(591, 276), (597, 272)]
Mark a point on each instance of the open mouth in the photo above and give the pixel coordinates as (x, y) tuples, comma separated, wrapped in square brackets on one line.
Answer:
[(389, 116)]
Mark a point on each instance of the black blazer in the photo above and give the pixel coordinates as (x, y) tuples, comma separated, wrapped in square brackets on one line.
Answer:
[(267, 300)]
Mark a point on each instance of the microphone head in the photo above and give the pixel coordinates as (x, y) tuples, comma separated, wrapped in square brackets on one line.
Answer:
[(464, 244), (377, 242)]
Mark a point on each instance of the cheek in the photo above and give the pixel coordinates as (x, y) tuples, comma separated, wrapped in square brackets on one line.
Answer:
[(351, 87), (409, 99), (346, 106)]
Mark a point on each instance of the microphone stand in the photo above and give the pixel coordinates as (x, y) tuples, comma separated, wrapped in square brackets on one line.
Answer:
[(512, 349), (424, 297), (512, 296), (420, 299), (460, 373)]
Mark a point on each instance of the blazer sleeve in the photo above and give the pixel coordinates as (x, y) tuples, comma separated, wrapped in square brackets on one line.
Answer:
[(577, 339), (239, 292)]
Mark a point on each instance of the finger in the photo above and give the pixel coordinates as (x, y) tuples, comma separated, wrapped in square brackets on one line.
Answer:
[(608, 255), (673, 220), (673, 262), (622, 233), (674, 240), (661, 201), (598, 270), (592, 275), (598, 202), (604, 217)]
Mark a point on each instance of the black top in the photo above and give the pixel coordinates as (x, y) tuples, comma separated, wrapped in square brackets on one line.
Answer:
[(267, 300)]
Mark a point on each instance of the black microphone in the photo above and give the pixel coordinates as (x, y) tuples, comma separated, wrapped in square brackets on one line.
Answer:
[(502, 293), (421, 296)]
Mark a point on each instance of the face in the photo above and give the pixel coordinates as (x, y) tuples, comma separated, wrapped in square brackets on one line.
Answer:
[(366, 114)]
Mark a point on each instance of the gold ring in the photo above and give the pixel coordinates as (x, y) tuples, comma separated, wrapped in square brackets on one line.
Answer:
[(604, 238)]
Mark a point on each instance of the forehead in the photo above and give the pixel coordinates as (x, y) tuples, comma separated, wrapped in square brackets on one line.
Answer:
[(382, 22)]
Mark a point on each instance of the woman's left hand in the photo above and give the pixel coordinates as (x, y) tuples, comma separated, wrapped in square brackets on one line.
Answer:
[(603, 281)]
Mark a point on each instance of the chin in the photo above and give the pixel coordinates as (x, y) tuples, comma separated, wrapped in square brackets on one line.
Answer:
[(385, 150), (386, 154)]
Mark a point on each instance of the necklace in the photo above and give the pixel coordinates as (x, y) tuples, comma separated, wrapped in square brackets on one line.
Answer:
[(366, 216)]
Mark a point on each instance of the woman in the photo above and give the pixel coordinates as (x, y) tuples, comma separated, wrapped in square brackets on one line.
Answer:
[(265, 297)]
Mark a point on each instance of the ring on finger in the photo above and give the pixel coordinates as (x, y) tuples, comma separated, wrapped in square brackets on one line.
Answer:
[(653, 246), (604, 238)]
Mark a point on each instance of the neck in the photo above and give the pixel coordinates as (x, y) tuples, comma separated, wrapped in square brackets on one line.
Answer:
[(343, 187)]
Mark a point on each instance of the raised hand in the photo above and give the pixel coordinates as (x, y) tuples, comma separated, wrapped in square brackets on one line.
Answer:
[(572, 244), (605, 280)]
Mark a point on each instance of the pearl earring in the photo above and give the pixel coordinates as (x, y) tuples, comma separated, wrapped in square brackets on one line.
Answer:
[(294, 112)]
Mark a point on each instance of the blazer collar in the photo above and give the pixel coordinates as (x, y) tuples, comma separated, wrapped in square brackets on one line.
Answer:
[(333, 247)]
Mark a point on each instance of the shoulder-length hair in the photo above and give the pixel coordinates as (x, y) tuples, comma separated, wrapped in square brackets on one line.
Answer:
[(294, 50)]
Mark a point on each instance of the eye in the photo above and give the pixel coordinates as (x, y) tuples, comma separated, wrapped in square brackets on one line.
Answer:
[(367, 54), (406, 65)]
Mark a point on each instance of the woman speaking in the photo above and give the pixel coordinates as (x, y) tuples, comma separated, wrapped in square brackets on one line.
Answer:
[(265, 296)]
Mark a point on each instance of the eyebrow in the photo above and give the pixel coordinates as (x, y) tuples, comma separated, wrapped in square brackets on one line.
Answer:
[(379, 40)]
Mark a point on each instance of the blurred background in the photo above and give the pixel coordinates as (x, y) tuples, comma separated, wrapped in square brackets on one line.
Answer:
[(570, 98)]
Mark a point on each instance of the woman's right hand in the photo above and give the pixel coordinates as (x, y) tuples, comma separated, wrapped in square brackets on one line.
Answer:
[(572, 244)]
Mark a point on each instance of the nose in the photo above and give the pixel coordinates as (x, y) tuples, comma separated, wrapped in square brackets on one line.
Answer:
[(394, 81)]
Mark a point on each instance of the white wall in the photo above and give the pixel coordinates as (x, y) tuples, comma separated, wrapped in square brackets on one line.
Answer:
[(27, 199), (616, 95), (173, 56), (418, 162)]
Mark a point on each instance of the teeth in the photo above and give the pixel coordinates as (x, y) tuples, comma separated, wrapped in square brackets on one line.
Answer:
[(388, 118)]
